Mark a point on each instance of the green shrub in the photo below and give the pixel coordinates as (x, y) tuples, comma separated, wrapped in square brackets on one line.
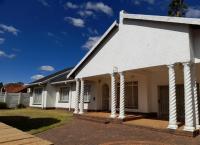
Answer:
[(19, 106), (3, 105)]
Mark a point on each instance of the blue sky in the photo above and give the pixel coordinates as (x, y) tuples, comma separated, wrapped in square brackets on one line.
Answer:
[(39, 37)]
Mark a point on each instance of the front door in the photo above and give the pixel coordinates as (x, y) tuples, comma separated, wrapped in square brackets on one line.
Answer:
[(105, 97), (164, 102)]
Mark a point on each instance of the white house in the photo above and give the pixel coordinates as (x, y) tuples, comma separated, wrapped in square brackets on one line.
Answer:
[(146, 64), (53, 91), (56, 91)]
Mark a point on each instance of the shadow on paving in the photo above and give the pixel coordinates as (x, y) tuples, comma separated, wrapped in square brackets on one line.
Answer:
[(25, 123)]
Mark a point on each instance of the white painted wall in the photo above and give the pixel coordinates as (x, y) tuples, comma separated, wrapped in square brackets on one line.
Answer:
[(140, 44), (50, 97), (142, 90), (159, 77)]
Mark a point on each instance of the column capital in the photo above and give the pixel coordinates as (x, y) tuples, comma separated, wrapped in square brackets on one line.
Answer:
[(121, 72), (170, 65), (188, 63), (112, 74), (77, 79), (81, 79)]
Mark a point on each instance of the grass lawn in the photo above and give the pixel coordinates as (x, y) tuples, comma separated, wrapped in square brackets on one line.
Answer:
[(34, 120)]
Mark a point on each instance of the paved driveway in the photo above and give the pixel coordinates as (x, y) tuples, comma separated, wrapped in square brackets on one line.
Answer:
[(81, 132)]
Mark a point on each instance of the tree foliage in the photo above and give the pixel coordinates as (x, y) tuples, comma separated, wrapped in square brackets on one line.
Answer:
[(177, 8)]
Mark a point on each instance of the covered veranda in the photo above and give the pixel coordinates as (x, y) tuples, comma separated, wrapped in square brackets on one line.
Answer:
[(156, 90)]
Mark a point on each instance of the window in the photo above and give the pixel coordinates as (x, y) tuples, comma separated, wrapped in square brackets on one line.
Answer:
[(131, 95), (37, 98), (87, 93), (64, 94)]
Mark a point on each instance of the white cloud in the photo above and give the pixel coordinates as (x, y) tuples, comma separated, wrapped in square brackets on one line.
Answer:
[(193, 12), (91, 42), (85, 13), (70, 5), (92, 31), (100, 7), (47, 68), (16, 50), (1, 32), (4, 54), (9, 29), (37, 77), (44, 3), (2, 40), (77, 22), (138, 2), (50, 34)]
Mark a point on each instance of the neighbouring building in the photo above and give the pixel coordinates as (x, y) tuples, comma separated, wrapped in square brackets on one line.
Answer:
[(14, 88)]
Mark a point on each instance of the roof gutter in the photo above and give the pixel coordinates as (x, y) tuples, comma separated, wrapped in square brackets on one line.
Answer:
[(39, 83), (63, 82)]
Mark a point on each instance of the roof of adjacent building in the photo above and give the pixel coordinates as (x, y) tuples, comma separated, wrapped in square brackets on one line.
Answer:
[(14, 87), (57, 76)]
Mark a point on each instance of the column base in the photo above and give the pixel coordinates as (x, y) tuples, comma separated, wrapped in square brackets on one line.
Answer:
[(198, 126), (75, 112), (188, 128), (121, 117), (112, 116), (80, 112), (172, 126)]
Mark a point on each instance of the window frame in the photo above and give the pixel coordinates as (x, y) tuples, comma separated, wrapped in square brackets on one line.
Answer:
[(132, 84), (34, 96), (61, 93), (87, 93)]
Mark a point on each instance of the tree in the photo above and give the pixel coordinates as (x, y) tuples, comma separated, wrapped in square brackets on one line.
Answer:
[(177, 8)]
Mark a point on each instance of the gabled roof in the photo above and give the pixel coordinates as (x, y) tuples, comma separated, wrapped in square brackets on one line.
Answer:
[(124, 15), (168, 19), (57, 76), (114, 25)]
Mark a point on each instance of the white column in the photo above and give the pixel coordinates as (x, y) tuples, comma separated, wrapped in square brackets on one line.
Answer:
[(81, 97), (196, 103), (76, 97), (19, 98), (113, 96), (172, 98), (122, 96), (5, 97), (189, 111)]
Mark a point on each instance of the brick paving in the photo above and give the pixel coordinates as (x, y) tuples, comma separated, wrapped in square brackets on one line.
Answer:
[(81, 132)]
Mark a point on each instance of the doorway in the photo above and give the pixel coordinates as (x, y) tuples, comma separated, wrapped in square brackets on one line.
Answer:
[(164, 102), (105, 97)]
